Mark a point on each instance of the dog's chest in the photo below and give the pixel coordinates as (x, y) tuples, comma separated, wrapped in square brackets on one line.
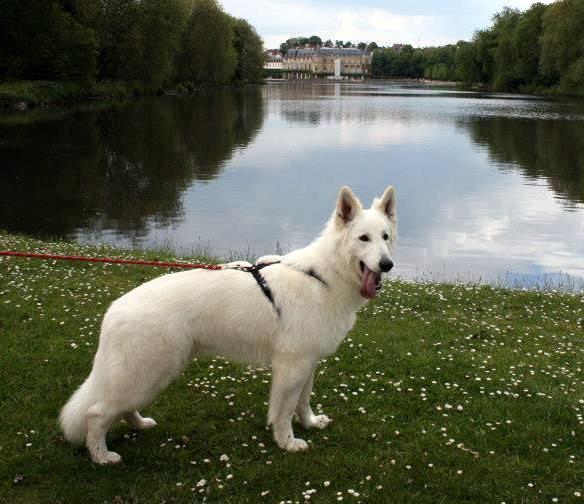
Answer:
[(334, 331)]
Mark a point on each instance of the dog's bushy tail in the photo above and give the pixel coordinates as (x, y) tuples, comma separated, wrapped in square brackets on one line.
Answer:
[(73, 416)]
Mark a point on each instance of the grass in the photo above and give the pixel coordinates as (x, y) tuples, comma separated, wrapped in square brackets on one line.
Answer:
[(441, 393), (39, 93)]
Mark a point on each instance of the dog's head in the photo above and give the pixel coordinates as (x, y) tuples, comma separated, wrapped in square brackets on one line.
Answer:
[(367, 237)]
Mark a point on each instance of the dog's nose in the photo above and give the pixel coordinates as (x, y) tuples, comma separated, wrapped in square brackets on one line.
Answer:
[(385, 265)]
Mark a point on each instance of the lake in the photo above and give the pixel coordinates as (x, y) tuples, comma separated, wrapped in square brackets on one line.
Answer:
[(490, 187)]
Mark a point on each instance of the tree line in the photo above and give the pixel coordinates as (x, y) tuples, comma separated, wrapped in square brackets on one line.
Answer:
[(536, 49), (155, 42)]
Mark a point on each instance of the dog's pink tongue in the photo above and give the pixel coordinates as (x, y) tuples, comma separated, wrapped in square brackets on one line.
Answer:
[(368, 283)]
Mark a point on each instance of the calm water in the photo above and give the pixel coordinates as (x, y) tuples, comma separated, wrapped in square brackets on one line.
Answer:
[(489, 186)]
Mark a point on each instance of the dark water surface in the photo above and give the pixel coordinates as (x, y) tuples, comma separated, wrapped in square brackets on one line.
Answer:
[(489, 186)]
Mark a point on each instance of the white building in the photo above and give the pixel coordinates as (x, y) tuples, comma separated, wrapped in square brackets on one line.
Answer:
[(274, 60)]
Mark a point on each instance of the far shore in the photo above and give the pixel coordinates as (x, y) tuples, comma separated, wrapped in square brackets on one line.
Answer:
[(24, 95)]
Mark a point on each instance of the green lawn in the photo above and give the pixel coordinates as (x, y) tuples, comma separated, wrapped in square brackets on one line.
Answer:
[(38, 93), (441, 393)]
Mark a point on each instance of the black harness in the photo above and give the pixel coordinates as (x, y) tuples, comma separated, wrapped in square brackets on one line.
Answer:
[(261, 281)]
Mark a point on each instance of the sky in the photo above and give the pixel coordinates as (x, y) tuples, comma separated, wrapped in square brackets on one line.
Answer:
[(416, 22)]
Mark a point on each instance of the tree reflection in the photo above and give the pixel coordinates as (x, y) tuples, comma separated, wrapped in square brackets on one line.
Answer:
[(122, 166), (552, 150)]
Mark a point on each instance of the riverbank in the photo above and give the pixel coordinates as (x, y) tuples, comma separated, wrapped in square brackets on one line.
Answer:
[(23, 95), (441, 393)]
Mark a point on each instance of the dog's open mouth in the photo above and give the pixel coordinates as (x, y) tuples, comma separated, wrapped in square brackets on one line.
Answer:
[(370, 281)]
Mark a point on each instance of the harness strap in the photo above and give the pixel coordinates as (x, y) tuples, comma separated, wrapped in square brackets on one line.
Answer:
[(314, 274), (261, 281)]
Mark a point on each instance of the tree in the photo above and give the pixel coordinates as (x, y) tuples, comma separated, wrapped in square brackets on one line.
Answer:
[(372, 46), (362, 46), (163, 23), (562, 44), (315, 40), (328, 43), (503, 28), (339, 43), (485, 43), (208, 57), (118, 25), (348, 44), (466, 61), (150, 41), (526, 45), (250, 51), (39, 40), (284, 48)]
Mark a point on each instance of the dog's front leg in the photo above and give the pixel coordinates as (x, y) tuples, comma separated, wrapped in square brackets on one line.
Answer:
[(289, 374), (303, 410)]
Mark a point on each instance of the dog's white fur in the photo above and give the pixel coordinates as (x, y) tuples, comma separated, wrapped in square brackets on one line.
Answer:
[(149, 335)]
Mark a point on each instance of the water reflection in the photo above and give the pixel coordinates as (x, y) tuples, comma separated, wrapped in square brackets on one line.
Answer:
[(122, 167), (490, 187), (543, 150)]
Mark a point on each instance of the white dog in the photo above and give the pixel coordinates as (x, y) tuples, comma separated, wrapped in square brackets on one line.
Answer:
[(288, 311)]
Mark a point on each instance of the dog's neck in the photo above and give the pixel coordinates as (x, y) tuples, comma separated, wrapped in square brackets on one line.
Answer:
[(324, 256)]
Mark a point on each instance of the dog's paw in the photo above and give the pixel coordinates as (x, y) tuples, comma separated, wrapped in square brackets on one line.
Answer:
[(296, 445), (316, 421), (146, 423), (321, 421), (109, 457)]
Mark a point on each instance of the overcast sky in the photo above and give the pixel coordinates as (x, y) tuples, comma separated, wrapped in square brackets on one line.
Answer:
[(417, 22)]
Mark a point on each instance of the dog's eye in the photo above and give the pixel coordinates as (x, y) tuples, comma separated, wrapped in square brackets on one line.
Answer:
[(364, 238), (385, 236)]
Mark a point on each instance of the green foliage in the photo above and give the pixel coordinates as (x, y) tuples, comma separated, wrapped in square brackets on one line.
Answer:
[(537, 49), (526, 45), (38, 93), (430, 62), (524, 51), (466, 63), (208, 56), (39, 40), (562, 45), (163, 23), (315, 40), (250, 52), (150, 42)]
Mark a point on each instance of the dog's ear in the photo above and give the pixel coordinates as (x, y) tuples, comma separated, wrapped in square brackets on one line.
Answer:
[(387, 204), (348, 206)]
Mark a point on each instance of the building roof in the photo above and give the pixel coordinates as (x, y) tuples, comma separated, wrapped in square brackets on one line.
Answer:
[(300, 52), (307, 52), (338, 51)]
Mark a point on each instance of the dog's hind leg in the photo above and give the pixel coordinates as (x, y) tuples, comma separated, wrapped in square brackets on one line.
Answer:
[(288, 378), (99, 419), (304, 412), (138, 422)]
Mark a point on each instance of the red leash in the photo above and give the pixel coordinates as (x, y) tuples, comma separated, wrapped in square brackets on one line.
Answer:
[(111, 260)]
